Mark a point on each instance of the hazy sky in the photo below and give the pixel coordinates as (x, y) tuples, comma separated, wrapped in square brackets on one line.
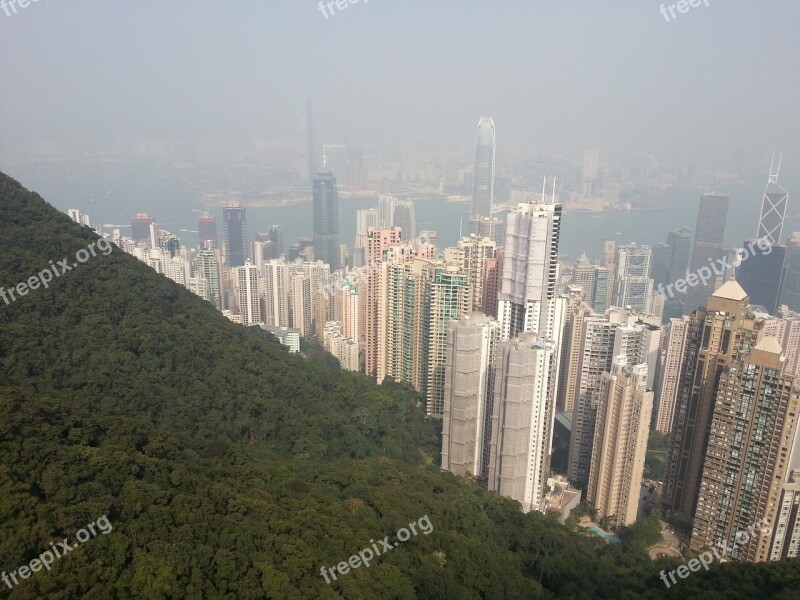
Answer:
[(557, 75)]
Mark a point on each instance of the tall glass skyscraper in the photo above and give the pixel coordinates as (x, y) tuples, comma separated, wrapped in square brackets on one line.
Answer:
[(483, 169), (326, 219), (707, 246), (235, 219)]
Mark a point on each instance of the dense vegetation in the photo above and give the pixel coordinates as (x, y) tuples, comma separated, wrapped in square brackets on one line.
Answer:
[(231, 469)]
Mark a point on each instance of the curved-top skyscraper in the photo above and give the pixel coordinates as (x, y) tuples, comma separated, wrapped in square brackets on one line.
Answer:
[(483, 169)]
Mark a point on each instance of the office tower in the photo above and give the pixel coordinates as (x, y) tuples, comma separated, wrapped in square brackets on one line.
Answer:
[(235, 222), (469, 394), (335, 156), (261, 252), (207, 230), (364, 220), (790, 292), (576, 313), (601, 296), (522, 420), (714, 334), (530, 264), (633, 286), (752, 430), (386, 205), (591, 160), (680, 244), (659, 264), (208, 271), (275, 235), (666, 392), (249, 296), (620, 442), (470, 255), (707, 246), (140, 227), (326, 219), (483, 169), (773, 206), (405, 219), (609, 256), (300, 311), (309, 131), (760, 273), (380, 239), (583, 275), (492, 280), (447, 296), (605, 336), (276, 290)]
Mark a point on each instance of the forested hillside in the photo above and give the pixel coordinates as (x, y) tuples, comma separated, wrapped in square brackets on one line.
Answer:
[(232, 469)]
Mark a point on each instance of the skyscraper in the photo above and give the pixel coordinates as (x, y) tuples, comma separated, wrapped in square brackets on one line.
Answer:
[(522, 420), (208, 272), (530, 264), (471, 255), (140, 227), (671, 358), (405, 219), (276, 288), (773, 206), (249, 296), (634, 287), (761, 272), (207, 230), (752, 432), (275, 235), (235, 221), (483, 169), (707, 246), (620, 441), (715, 334), (468, 394), (326, 219), (790, 292)]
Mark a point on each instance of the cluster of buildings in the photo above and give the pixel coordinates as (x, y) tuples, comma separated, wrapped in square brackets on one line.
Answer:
[(546, 375)]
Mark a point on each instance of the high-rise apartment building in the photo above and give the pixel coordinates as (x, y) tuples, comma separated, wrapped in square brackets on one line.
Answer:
[(751, 436), (483, 168), (235, 224), (448, 295), (618, 332), (326, 219), (527, 298), (492, 280), (571, 346), (300, 309), (716, 333), (707, 245), (365, 219), (671, 357), (522, 420), (386, 205), (469, 394), (620, 441), (249, 294), (470, 255), (207, 270), (276, 290)]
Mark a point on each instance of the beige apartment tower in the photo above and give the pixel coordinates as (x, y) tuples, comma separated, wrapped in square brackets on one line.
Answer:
[(620, 442), (469, 394)]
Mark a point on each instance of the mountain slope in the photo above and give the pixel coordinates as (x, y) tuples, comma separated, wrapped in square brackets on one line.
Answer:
[(231, 469)]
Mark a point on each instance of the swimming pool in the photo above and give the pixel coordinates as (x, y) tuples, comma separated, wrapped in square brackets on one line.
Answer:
[(614, 539)]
